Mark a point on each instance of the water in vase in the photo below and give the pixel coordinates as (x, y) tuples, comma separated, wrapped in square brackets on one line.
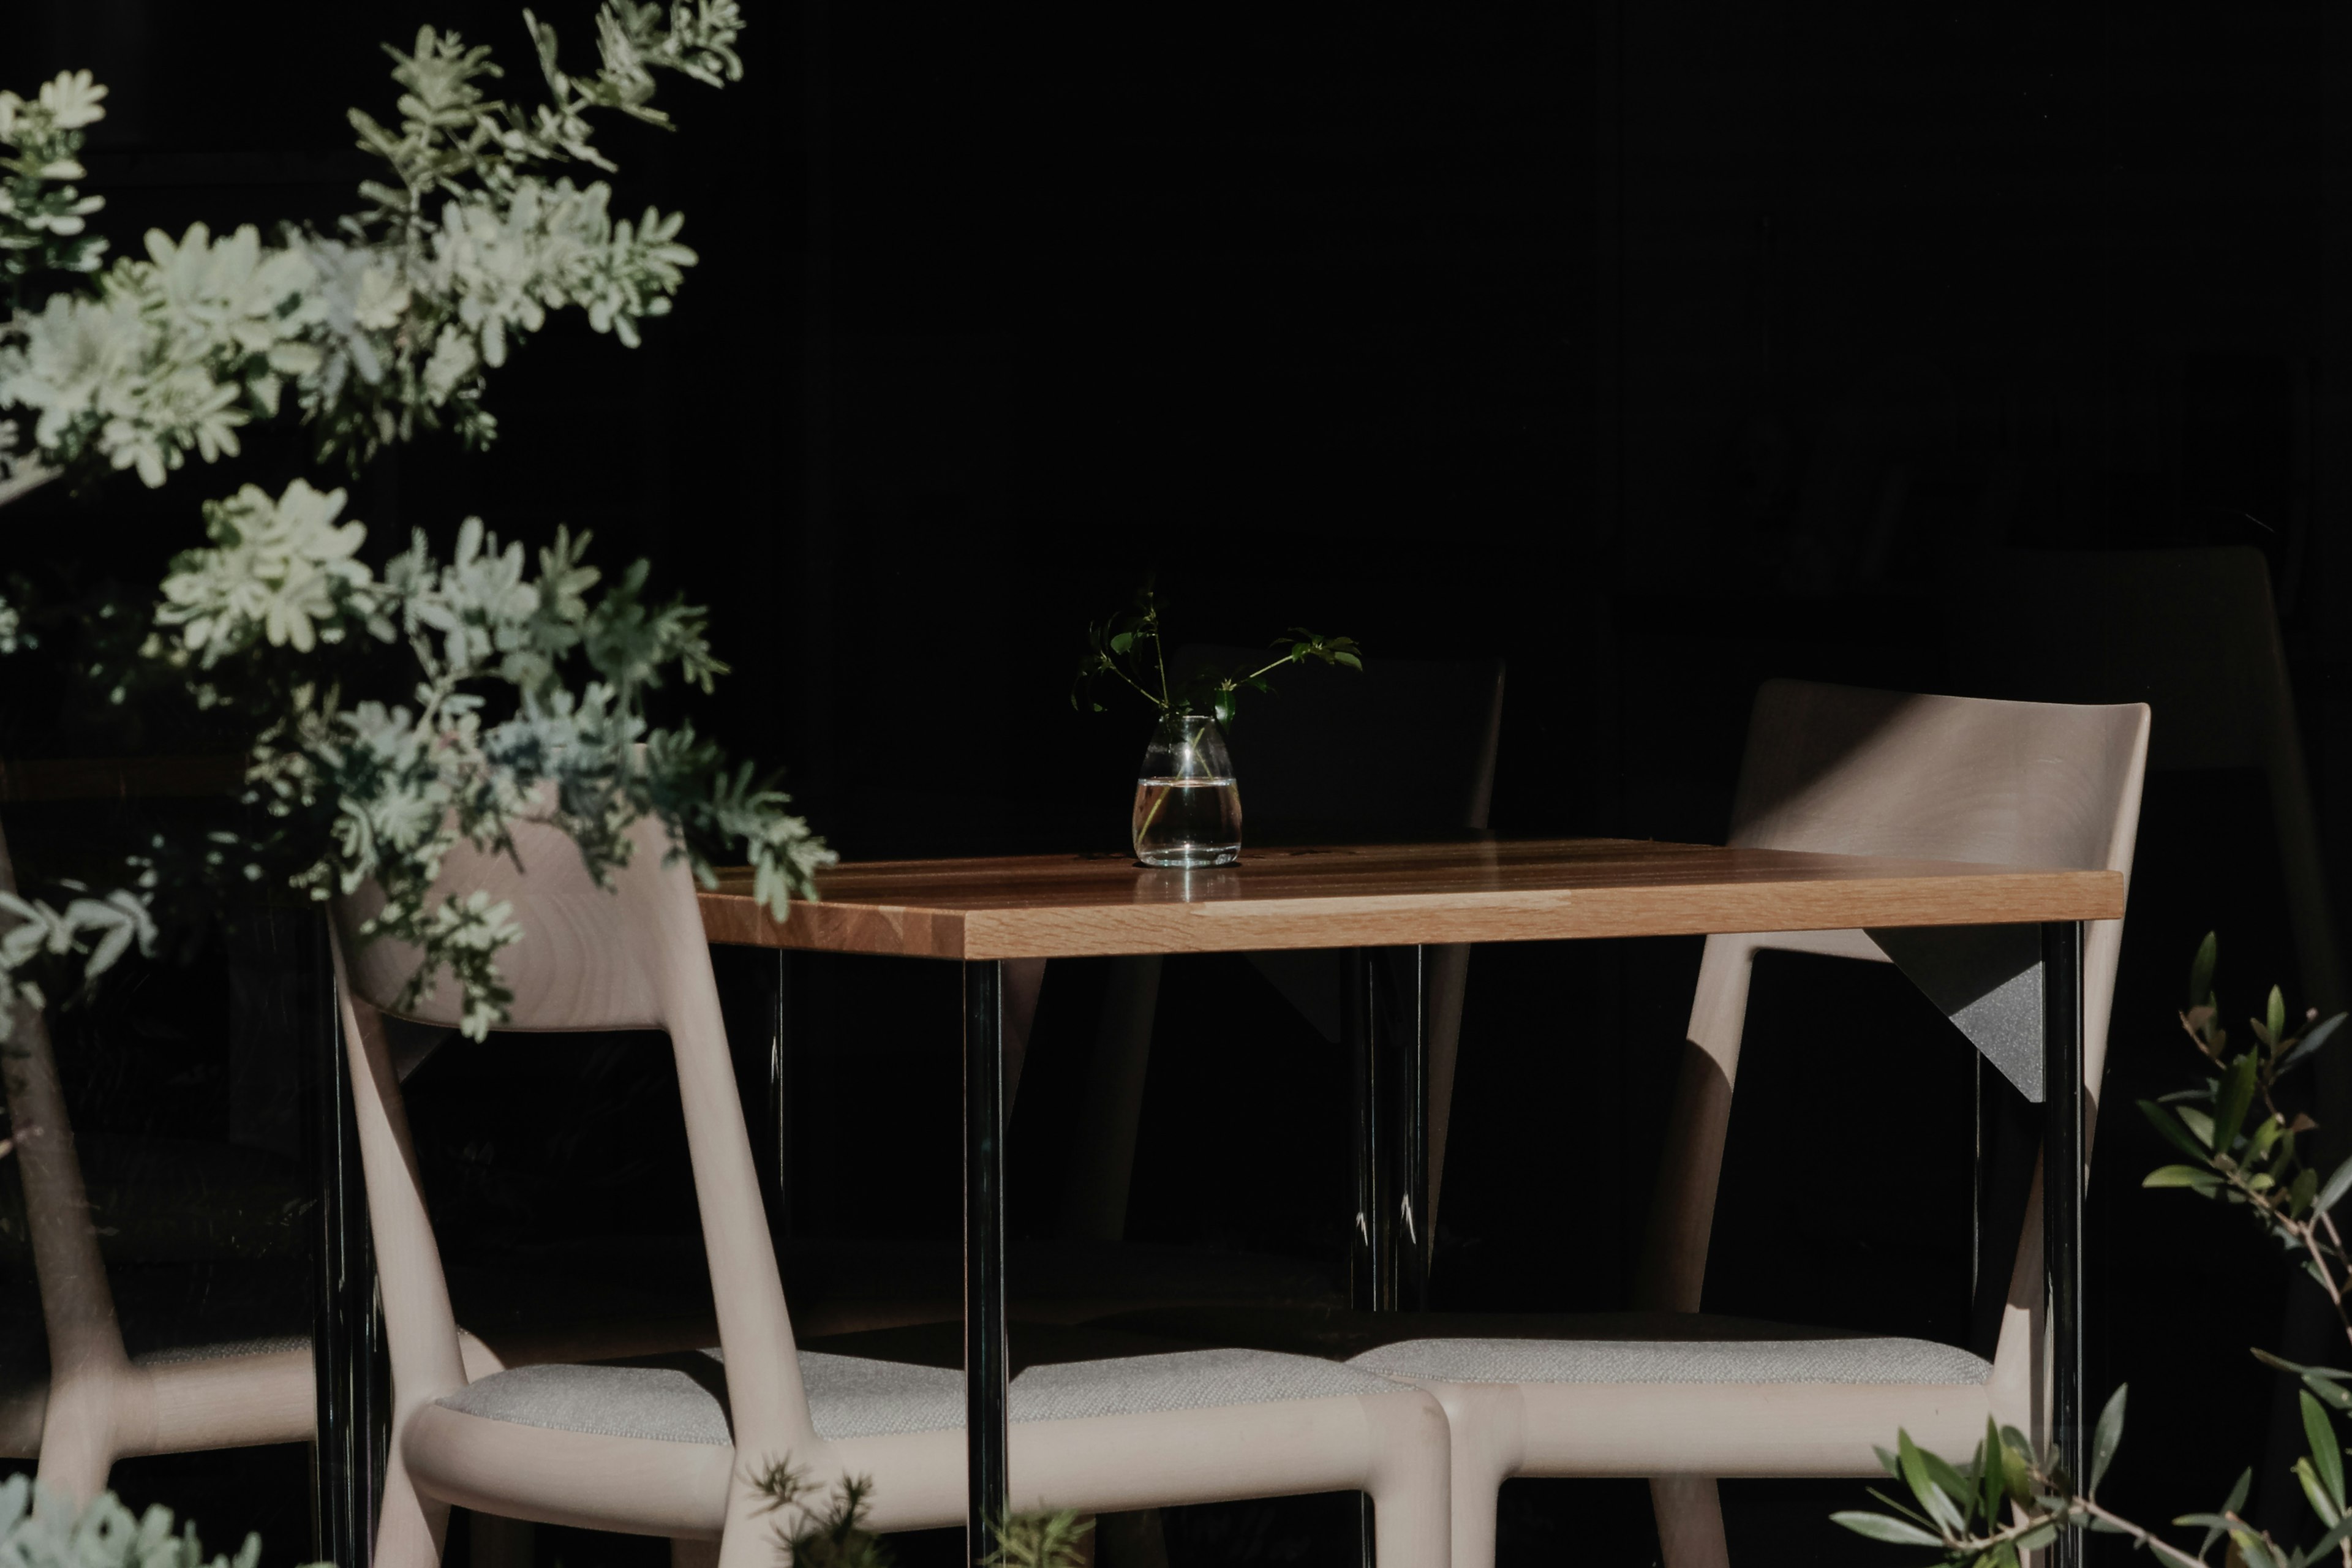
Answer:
[(1187, 821)]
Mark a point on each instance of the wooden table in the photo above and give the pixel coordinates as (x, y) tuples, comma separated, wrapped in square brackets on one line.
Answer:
[(983, 912)]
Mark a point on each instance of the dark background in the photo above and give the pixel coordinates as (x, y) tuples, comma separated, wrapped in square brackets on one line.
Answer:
[(1657, 347)]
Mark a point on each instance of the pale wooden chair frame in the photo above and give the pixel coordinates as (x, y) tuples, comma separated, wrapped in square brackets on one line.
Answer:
[(99, 1405), (1934, 777), (634, 956)]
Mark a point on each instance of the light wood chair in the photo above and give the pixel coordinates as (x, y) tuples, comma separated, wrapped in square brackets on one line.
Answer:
[(2105, 626), (1680, 1397), (205, 1354), (671, 1449), (97, 1402)]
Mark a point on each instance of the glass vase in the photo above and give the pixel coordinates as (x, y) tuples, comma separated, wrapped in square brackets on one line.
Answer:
[(1188, 807)]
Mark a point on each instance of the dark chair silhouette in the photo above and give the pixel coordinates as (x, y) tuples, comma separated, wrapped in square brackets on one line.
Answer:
[(1403, 748)]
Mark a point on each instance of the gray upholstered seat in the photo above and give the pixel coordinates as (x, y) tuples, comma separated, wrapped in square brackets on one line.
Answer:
[(1572, 1347), (682, 1399), (1736, 1351)]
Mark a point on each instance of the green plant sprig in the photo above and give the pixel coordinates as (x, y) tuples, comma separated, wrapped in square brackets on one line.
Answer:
[(1131, 649), (829, 1530), (2245, 1148), (2245, 1153), (820, 1533)]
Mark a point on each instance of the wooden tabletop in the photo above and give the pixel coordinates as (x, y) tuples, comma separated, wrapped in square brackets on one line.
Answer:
[(1070, 906)]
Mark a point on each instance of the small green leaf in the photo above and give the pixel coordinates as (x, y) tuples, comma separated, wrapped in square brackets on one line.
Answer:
[(2175, 1131), (2203, 1181), (2199, 1124), (2327, 1455), (2274, 1015), (2300, 1196), (2266, 1132), (2107, 1435), (1989, 1472), (1887, 1461), (2201, 972), (1878, 1527), (1922, 1482), (2314, 1491), (2317, 1036), (1902, 1509), (1349, 659), (1122, 641), (2016, 1472), (2237, 1096), (2337, 1184), (1941, 1471)]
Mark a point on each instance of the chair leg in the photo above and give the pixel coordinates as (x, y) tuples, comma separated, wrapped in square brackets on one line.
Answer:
[(410, 1528), (1690, 1522), (1409, 1525), (1478, 1495), (1411, 1482)]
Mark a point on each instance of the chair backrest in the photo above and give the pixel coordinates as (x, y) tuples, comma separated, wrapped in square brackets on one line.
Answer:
[(85, 1336), (2193, 634), (1402, 746), (1840, 770), (629, 956)]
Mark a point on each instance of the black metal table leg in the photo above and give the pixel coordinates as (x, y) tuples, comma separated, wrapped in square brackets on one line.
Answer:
[(346, 1331), (775, 999), (1408, 1192), (1365, 1274), (1388, 1056), (2062, 1196), (985, 1369)]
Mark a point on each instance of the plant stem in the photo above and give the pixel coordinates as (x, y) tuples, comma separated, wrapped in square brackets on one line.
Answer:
[(1159, 651), (1160, 702), (1277, 664), (2140, 1536)]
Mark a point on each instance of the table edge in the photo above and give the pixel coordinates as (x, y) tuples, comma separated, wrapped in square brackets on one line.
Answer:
[(1992, 898)]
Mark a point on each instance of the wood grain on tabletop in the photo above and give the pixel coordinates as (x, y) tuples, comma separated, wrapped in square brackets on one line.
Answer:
[(1068, 906)]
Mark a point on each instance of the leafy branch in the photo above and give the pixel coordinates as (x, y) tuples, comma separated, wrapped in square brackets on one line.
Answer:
[(2245, 1151), (829, 1530), (1128, 648), (44, 219), (41, 1528), (372, 332), (825, 1530), (381, 791), (386, 718)]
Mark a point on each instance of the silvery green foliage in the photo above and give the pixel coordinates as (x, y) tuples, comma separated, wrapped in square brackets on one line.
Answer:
[(100, 929), (409, 783), (43, 218), (390, 324), (45, 1531), (387, 325)]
